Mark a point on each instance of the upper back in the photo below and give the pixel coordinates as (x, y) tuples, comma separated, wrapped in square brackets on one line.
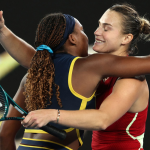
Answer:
[(71, 100)]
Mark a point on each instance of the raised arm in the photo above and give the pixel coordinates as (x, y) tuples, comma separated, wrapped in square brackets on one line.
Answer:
[(15, 46)]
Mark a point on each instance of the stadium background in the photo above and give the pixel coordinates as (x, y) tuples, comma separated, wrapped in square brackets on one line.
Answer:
[(22, 18)]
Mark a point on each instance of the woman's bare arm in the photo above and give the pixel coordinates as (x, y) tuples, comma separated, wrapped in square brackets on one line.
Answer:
[(106, 65), (9, 128), (15, 46)]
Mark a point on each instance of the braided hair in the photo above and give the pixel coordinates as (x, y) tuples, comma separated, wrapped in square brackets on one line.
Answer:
[(40, 78), (132, 23)]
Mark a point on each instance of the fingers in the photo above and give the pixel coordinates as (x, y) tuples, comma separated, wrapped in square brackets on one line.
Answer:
[(31, 124), (31, 121), (2, 22), (26, 122), (1, 15), (36, 119)]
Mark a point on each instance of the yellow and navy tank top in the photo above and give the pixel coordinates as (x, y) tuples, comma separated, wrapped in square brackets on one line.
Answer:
[(71, 100)]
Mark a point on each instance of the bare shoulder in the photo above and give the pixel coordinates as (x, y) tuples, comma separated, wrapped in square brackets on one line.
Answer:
[(137, 90), (94, 61), (98, 57), (138, 82), (134, 85)]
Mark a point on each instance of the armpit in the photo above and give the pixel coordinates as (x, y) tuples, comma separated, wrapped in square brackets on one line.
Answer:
[(141, 77)]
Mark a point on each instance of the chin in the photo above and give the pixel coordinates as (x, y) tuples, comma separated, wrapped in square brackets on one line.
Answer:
[(96, 49)]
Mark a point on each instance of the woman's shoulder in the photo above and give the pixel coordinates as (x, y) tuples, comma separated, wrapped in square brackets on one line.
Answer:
[(137, 83)]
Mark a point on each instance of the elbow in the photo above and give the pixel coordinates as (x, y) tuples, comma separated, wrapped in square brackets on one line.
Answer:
[(103, 123), (5, 136), (7, 141), (25, 64), (101, 126), (2, 136), (5, 133), (104, 126)]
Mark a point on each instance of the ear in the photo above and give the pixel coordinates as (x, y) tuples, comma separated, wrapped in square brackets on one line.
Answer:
[(127, 39), (72, 39)]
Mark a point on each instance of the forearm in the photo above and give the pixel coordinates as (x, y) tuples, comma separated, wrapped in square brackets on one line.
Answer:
[(91, 119), (125, 66), (16, 47), (83, 119)]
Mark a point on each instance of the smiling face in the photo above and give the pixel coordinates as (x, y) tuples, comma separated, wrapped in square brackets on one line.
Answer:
[(109, 36)]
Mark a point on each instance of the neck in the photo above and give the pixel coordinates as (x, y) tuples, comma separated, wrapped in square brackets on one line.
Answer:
[(72, 51), (120, 52)]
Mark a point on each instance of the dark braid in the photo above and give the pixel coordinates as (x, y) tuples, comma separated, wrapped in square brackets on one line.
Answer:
[(50, 30), (40, 78)]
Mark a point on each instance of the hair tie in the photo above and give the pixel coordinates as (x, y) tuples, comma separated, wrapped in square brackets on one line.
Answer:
[(44, 47)]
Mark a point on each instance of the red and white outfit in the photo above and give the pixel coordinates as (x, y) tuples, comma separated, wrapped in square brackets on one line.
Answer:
[(127, 133)]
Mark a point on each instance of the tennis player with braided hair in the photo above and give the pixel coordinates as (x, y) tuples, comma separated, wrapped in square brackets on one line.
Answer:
[(69, 75)]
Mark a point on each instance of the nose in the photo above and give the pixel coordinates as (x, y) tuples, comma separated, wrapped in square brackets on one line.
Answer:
[(98, 31)]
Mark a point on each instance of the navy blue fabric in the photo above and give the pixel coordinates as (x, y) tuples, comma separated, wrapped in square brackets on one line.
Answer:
[(62, 62), (39, 144), (70, 23)]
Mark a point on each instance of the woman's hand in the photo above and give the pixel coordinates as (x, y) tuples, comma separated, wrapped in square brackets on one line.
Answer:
[(39, 118)]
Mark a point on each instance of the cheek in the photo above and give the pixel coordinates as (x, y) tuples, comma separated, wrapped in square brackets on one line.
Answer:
[(111, 34), (113, 39), (85, 39)]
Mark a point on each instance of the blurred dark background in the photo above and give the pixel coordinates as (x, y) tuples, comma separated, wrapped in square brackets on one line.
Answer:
[(22, 18)]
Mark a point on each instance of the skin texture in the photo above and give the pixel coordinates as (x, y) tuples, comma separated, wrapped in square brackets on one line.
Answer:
[(87, 72)]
